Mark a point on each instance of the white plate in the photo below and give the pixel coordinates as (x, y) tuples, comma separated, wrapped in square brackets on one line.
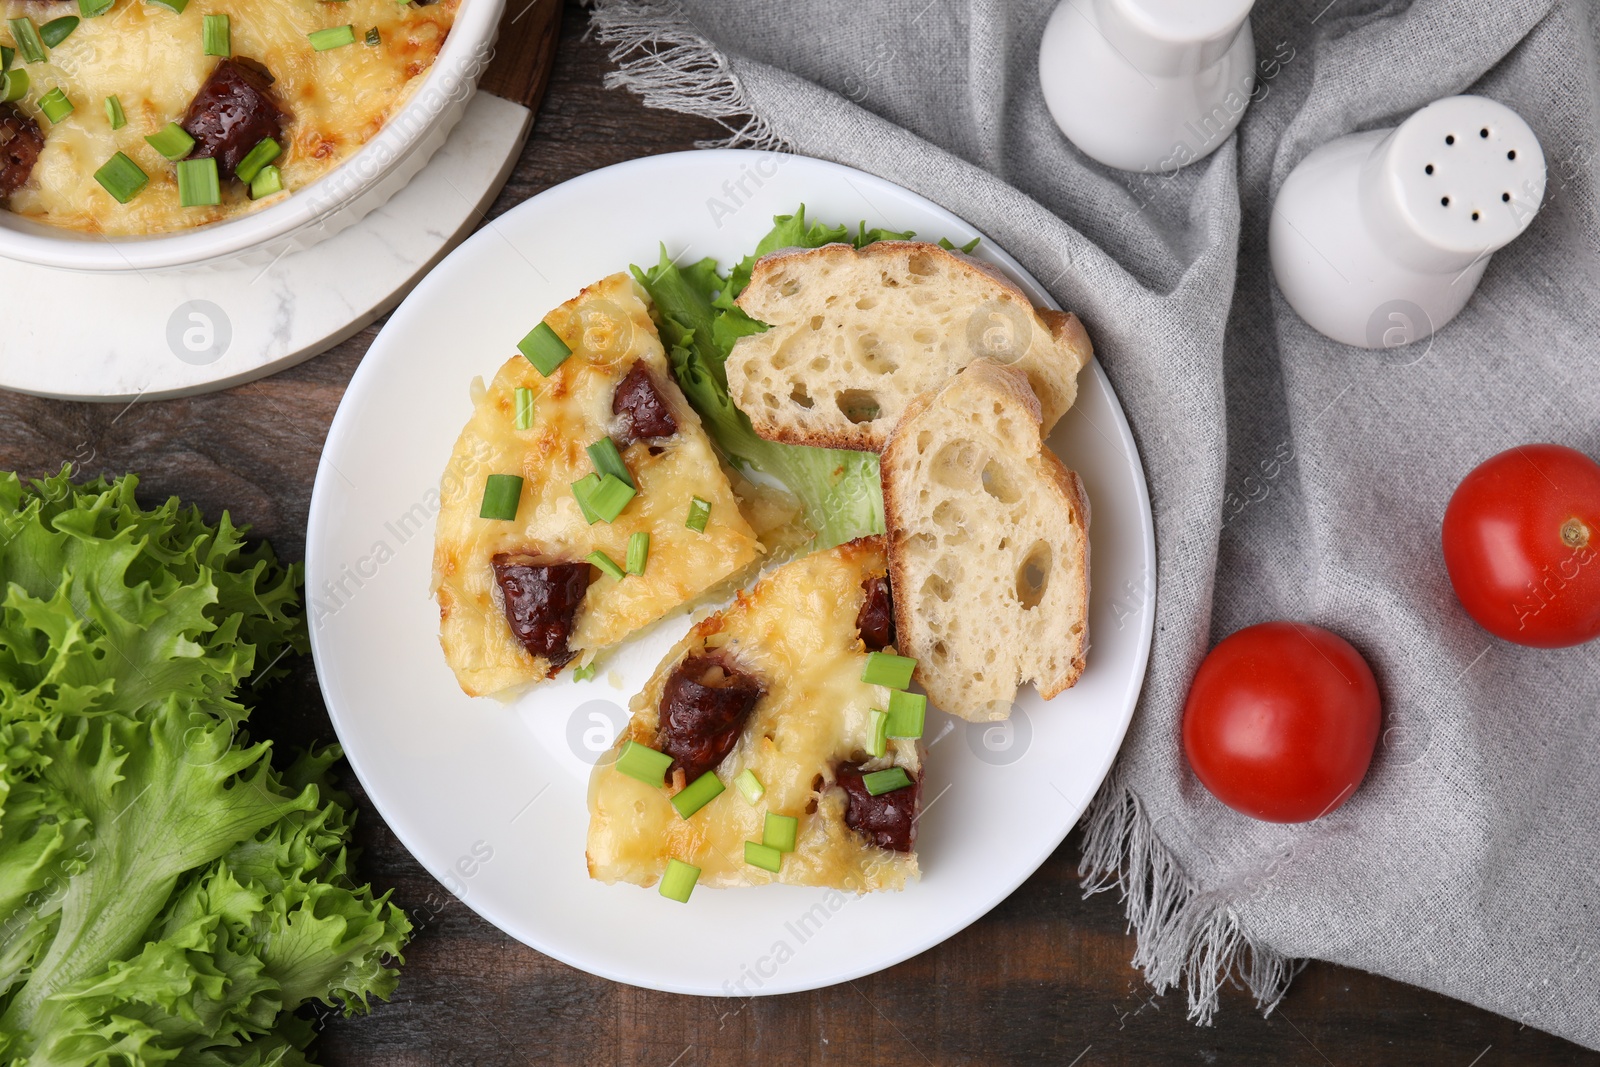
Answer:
[(491, 798)]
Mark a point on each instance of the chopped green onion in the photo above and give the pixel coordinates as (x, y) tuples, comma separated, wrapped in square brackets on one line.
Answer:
[(91, 8), (55, 31), (884, 669), (644, 763), (175, 6), (373, 38), (524, 416), (114, 113), (698, 793), (7, 54), (638, 552), (607, 460), (55, 105), (13, 85), (333, 37), (750, 785), (544, 349), (583, 489), (121, 177), (678, 881), (610, 497), (26, 34), (780, 832), (265, 151), (699, 513), (878, 744), (502, 495), (216, 36), (266, 183), (172, 141), (584, 672), (764, 856), (886, 781), (607, 564), (198, 185), (907, 714)]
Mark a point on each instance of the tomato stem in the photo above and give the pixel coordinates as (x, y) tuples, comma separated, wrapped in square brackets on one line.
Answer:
[(1574, 534)]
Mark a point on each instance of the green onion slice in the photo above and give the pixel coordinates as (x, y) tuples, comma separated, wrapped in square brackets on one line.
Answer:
[(764, 856), (544, 349), (216, 35), (678, 880), (175, 6), (750, 785), (780, 832), (644, 763), (584, 672), (884, 669), (269, 181), (333, 37), (121, 177), (607, 460), (55, 31), (172, 141), (908, 712), (699, 514), (114, 113), (524, 408), (638, 552), (7, 54), (373, 37), (607, 564), (13, 85), (92, 8), (878, 743), (502, 495), (582, 490), (698, 793), (26, 34), (886, 781), (610, 497), (198, 184), (55, 105), (265, 151)]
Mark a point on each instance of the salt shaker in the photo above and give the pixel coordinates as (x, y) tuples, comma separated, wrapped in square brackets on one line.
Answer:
[(1379, 238), (1148, 85)]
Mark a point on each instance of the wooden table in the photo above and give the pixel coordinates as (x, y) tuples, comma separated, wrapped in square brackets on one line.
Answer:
[(1044, 978)]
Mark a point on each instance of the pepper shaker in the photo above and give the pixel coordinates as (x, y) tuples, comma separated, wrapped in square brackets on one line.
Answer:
[(1379, 238), (1148, 85)]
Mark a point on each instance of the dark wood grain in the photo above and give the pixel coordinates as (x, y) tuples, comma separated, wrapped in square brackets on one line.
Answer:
[(529, 33), (1044, 978)]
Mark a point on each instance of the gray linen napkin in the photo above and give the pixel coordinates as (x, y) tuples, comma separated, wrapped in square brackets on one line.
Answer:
[(1291, 477)]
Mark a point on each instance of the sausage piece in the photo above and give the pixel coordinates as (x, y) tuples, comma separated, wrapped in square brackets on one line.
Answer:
[(232, 113), (888, 820), (875, 620), (703, 708), (20, 145), (541, 600), (641, 407)]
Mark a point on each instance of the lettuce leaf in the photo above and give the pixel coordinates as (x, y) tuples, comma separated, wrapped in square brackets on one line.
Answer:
[(839, 490), (166, 894)]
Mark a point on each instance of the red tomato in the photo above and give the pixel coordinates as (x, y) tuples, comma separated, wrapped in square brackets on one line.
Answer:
[(1281, 721), (1520, 539)]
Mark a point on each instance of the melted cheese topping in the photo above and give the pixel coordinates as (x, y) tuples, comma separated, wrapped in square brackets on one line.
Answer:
[(608, 328), (153, 61), (796, 631)]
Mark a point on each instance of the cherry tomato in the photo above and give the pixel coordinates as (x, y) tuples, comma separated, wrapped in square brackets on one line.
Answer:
[(1521, 535), (1281, 721)]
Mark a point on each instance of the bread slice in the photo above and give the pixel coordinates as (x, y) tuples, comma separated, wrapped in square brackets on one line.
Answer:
[(799, 635), (988, 545), (855, 335), (616, 354)]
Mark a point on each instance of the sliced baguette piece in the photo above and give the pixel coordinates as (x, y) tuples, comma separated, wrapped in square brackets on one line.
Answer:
[(988, 546), (855, 335)]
